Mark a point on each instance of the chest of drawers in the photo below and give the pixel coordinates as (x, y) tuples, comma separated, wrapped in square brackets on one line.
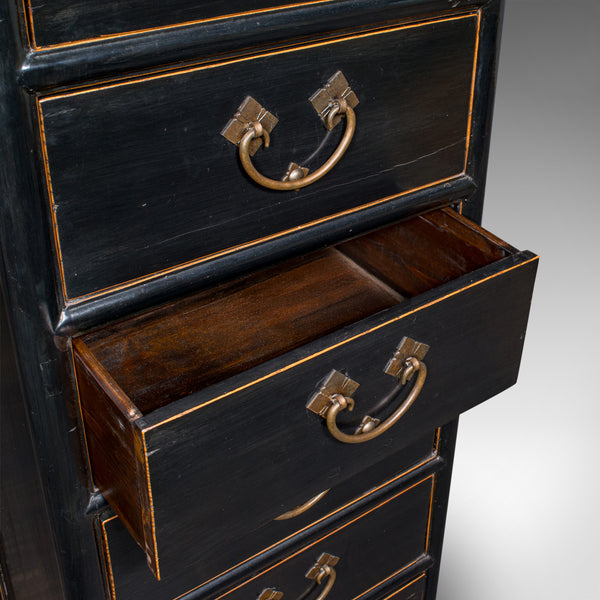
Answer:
[(245, 295)]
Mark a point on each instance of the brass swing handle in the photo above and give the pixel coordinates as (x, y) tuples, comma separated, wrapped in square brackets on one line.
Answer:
[(336, 392), (322, 570), (295, 512), (297, 177), (251, 126)]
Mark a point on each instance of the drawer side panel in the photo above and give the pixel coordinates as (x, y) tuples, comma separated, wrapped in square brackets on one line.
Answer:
[(115, 453)]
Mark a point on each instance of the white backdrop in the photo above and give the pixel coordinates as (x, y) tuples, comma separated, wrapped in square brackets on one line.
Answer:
[(524, 516)]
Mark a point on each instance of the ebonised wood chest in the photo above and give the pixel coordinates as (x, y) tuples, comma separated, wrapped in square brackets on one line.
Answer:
[(245, 295)]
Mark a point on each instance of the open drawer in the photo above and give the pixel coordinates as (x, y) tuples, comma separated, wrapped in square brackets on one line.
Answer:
[(196, 413)]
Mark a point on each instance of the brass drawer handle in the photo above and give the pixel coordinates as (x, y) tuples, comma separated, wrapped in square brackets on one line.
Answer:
[(321, 570), (336, 392), (290, 514), (251, 126)]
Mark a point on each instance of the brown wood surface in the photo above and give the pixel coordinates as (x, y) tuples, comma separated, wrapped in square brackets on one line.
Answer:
[(110, 442), (187, 367), (178, 349), (167, 353), (425, 252)]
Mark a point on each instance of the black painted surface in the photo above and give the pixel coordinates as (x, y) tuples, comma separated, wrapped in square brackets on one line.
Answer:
[(41, 425), (28, 567), (474, 355), (63, 21), (401, 523), (116, 56), (143, 181), (58, 558), (99, 310), (131, 579)]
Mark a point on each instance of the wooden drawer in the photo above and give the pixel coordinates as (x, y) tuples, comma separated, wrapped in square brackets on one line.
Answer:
[(206, 398), (376, 545), (415, 590), (143, 184), (207, 565), (65, 22)]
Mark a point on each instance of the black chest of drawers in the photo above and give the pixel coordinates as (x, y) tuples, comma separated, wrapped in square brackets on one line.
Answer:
[(245, 297)]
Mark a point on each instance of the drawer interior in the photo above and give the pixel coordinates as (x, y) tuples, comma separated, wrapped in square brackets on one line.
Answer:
[(194, 398), (169, 352)]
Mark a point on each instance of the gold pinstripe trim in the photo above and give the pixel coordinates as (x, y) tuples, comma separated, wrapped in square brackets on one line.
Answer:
[(151, 508), (79, 299), (473, 79), (327, 516), (111, 36), (406, 586), (55, 234), (362, 515), (426, 544), (110, 580), (428, 535), (339, 344), (108, 558), (214, 255), (241, 59)]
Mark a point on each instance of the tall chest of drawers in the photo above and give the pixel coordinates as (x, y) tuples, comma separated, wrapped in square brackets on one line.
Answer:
[(245, 295)]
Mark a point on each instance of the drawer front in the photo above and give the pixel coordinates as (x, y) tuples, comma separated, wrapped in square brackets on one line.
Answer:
[(198, 563), (142, 183), (374, 546), (248, 443), (63, 22), (476, 338), (415, 590)]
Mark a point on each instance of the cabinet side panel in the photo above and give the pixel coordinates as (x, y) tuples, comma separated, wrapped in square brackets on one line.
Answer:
[(28, 565)]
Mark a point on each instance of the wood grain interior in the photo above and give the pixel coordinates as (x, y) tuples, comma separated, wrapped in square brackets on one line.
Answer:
[(172, 351), (427, 251)]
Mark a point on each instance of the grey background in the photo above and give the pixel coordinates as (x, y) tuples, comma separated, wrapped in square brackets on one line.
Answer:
[(524, 516)]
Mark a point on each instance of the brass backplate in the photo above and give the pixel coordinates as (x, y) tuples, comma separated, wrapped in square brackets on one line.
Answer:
[(334, 383), (407, 348), (323, 560), (248, 112), (270, 594), (337, 87)]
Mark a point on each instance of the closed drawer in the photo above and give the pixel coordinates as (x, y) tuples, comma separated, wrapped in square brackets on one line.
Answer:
[(381, 544), (208, 565), (143, 184), (206, 398), (64, 22), (415, 590)]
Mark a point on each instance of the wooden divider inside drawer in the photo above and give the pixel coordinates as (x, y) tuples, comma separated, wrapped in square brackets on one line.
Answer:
[(195, 412)]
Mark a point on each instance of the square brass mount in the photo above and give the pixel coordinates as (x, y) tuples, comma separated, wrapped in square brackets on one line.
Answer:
[(406, 348), (337, 87), (248, 112), (323, 560)]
